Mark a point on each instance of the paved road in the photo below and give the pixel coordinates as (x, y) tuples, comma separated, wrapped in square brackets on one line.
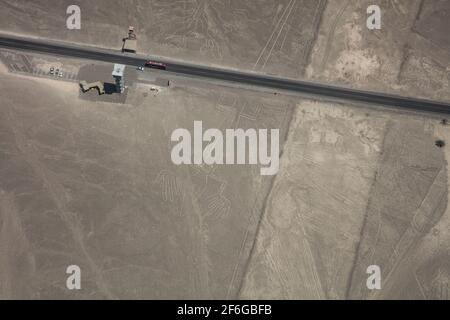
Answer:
[(275, 83)]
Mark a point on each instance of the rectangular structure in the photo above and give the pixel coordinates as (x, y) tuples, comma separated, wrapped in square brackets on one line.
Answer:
[(118, 73)]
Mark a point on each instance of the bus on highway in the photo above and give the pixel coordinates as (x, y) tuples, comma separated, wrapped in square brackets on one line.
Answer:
[(155, 65)]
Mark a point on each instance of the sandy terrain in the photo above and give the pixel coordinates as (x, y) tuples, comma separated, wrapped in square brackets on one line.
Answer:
[(388, 206), (273, 36), (276, 37), (315, 211), (360, 188), (92, 184), (356, 188), (403, 57)]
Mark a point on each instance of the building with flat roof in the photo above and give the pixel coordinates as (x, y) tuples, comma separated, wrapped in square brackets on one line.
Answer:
[(129, 45), (130, 42), (118, 74)]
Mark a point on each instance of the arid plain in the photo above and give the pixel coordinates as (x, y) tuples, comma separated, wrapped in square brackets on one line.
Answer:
[(91, 182)]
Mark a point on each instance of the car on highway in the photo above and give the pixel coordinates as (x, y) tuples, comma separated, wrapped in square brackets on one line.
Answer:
[(155, 65)]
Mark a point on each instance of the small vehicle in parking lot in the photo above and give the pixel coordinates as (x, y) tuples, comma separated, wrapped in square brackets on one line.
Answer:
[(140, 68), (52, 70)]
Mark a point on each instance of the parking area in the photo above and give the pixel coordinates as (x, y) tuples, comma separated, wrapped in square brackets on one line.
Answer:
[(38, 66)]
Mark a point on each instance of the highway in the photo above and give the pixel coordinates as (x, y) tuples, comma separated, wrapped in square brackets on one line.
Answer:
[(236, 77)]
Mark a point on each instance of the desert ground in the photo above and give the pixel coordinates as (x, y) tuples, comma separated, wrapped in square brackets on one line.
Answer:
[(325, 41), (266, 37), (356, 188), (410, 54), (93, 185), (89, 181)]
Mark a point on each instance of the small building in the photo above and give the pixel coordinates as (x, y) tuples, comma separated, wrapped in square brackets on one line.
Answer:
[(129, 45), (118, 74), (130, 42)]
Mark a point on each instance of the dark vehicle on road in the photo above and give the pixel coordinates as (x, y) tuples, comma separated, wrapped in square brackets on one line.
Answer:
[(155, 65)]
